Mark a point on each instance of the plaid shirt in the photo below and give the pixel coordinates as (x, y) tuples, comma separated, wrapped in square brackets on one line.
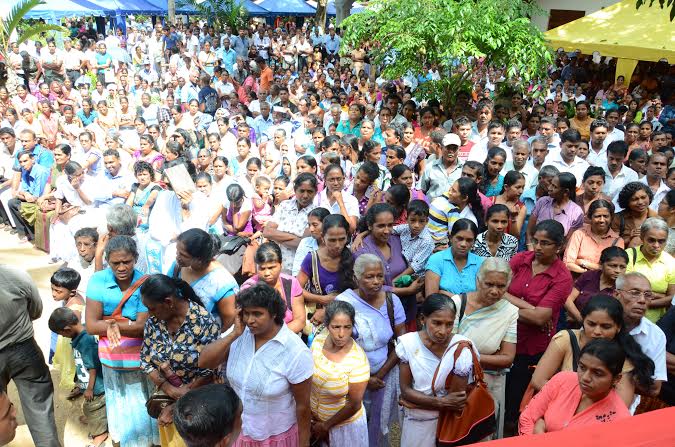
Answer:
[(416, 250)]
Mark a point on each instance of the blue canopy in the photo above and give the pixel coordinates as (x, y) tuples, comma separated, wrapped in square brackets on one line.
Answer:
[(54, 10), (252, 9), (126, 7), (287, 7)]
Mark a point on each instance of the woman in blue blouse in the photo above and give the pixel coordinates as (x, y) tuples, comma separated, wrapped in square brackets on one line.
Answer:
[(453, 270), (87, 115), (127, 388), (493, 181)]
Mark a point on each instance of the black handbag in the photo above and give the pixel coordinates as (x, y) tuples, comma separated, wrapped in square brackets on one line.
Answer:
[(229, 245), (157, 402)]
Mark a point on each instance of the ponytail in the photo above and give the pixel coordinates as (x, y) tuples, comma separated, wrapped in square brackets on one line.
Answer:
[(185, 292)]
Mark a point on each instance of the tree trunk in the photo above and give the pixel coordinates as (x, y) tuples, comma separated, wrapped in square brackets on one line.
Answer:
[(171, 6), (342, 8), (320, 16)]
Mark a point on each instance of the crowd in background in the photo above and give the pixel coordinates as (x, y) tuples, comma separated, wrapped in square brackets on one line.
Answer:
[(256, 222)]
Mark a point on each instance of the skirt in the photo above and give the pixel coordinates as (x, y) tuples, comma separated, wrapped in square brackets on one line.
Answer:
[(382, 409), (418, 428), (354, 434), (169, 436), (128, 421), (289, 438)]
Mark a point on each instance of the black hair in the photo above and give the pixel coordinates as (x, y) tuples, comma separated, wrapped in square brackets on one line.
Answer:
[(608, 352), (70, 168), (206, 176), (234, 192), (262, 295), (205, 415), (487, 179), (476, 166), (143, 166), (376, 210), (199, 244), (371, 169), (435, 302), (60, 318), (570, 135), (400, 194), (511, 178), (399, 170), (346, 265), (592, 171), (464, 225), (254, 161), (670, 195), (268, 252), (333, 167), (319, 212), (418, 208), (66, 277), (496, 209), (87, 232), (121, 243), (553, 229), (158, 287), (618, 147), (469, 189), (630, 189), (336, 308), (400, 152), (367, 147), (309, 160), (569, 182), (65, 148), (599, 204), (613, 252), (305, 177), (637, 153)]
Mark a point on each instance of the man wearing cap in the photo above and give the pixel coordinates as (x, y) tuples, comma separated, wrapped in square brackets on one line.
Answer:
[(440, 174)]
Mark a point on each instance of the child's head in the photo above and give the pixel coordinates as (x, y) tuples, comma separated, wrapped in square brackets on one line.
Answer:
[(64, 283), (64, 322), (203, 182), (262, 186), (315, 222), (418, 216)]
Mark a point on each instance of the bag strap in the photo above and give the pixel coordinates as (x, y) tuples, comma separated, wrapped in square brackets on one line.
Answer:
[(575, 349), (287, 286), (390, 312), (176, 271), (622, 223), (634, 251), (315, 273), (477, 368), (462, 308), (127, 295)]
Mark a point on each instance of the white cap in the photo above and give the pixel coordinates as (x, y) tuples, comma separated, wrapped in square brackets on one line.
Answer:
[(450, 139)]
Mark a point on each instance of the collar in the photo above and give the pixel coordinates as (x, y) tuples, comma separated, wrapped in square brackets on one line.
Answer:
[(641, 328)]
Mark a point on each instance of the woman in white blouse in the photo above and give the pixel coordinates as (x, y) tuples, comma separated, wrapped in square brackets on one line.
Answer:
[(269, 367), (421, 354)]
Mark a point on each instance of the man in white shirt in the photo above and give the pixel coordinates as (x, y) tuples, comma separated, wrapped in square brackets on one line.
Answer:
[(613, 134), (567, 160), (634, 292), (72, 59), (520, 152), (657, 166), (495, 138), (547, 132), (597, 146), (617, 174)]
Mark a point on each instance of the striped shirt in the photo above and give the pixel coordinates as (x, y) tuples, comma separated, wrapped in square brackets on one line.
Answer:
[(442, 216), (330, 382)]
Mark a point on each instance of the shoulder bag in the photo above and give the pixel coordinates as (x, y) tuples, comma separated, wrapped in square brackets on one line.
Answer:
[(477, 420), (126, 356), (312, 286)]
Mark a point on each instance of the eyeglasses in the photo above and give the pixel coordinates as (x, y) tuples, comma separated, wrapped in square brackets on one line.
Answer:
[(635, 294), (84, 244), (542, 243)]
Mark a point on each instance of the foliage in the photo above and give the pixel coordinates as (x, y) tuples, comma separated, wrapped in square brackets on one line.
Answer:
[(220, 13), (10, 25), (458, 36), (663, 3)]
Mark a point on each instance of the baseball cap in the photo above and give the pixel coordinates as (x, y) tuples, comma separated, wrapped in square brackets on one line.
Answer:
[(451, 139)]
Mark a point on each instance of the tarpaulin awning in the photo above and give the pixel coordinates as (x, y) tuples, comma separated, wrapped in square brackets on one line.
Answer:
[(287, 7), (54, 10), (252, 9), (620, 31), (126, 7)]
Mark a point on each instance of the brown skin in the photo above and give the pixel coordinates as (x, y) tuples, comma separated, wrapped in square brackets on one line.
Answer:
[(304, 193), (460, 244)]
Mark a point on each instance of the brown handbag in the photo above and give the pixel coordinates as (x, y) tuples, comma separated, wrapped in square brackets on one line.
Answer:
[(477, 420)]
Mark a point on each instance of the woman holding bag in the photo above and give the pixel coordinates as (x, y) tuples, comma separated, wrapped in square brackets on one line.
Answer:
[(115, 313), (421, 354)]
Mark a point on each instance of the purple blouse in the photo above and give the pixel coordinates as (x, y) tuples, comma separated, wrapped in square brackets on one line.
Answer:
[(588, 285), (393, 266), (571, 216), (327, 280)]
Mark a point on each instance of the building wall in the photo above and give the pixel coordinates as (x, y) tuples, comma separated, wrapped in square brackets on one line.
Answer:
[(585, 6)]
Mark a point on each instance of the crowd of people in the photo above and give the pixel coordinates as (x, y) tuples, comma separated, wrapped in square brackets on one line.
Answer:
[(262, 242)]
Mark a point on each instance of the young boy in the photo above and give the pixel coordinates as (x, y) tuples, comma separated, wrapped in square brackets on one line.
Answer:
[(65, 282), (463, 129), (67, 324), (417, 247)]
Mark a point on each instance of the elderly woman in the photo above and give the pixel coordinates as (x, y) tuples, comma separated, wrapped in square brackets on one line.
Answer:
[(379, 320), (602, 318), (174, 212), (651, 260), (114, 312), (421, 354), (195, 263), (541, 283), (341, 374), (276, 396), (268, 262), (574, 400), (487, 319), (176, 331), (585, 245)]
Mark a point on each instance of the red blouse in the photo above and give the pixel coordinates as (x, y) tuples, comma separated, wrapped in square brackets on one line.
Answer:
[(549, 288)]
